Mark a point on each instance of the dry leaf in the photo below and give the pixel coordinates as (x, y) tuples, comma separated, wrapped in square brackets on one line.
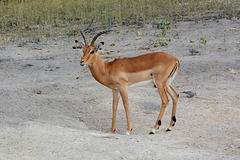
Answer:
[(38, 92), (147, 49), (139, 33), (142, 48), (112, 45), (233, 29), (37, 48), (138, 38), (105, 53), (191, 41)]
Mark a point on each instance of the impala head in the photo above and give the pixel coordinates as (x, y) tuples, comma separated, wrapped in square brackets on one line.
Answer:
[(89, 51)]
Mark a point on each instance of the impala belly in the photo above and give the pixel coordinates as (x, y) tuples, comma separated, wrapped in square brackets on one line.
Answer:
[(142, 83), (140, 78)]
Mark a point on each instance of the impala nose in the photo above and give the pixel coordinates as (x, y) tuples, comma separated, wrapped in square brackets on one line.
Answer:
[(81, 63)]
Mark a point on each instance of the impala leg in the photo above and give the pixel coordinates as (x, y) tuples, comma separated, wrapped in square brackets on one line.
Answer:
[(124, 95), (174, 95), (163, 94), (114, 107)]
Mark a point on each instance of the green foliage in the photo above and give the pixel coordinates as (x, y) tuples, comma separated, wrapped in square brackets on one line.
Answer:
[(203, 41), (163, 41), (19, 16), (48, 34), (164, 27), (72, 32)]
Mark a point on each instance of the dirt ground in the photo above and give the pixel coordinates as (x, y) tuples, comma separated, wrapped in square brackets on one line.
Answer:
[(52, 108)]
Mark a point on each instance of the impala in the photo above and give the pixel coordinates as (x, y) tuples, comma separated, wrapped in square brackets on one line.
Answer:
[(160, 68)]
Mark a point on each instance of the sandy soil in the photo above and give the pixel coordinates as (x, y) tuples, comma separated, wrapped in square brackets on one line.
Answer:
[(51, 108)]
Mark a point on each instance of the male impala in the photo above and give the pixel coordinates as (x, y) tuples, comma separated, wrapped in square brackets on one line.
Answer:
[(122, 73)]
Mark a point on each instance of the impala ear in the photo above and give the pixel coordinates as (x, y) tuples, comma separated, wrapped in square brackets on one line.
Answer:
[(100, 46), (78, 45)]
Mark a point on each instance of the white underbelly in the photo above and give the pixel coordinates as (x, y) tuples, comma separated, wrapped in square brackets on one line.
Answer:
[(142, 83)]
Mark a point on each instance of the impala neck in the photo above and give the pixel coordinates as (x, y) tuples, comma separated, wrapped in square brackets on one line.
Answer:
[(99, 70)]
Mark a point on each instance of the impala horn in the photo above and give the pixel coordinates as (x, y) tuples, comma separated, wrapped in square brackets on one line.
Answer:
[(85, 41), (100, 33)]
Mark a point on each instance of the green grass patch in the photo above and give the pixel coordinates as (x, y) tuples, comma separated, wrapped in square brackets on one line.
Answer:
[(41, 16)]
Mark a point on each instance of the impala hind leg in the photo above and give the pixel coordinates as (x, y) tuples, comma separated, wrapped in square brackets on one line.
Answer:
[(114, 107), (164, 97), (174, 95), (124, 95)]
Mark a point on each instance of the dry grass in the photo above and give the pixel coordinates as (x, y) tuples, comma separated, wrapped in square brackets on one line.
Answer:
[(21, 16)]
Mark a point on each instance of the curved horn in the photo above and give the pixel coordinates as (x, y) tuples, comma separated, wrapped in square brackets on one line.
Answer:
[(89, 25), (85, 41), (100, 33)]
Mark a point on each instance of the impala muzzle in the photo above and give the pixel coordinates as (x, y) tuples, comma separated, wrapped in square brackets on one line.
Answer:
[(81, 63)]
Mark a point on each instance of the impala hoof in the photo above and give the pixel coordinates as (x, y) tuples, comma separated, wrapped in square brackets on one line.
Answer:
[(168, 130), (128, 133), (152, 132), (112, 131)]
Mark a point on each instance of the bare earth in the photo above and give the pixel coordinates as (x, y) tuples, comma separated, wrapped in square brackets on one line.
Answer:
[(51, 108)]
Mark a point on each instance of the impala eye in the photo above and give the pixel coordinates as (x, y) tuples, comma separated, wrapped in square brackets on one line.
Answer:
[(92, 52)]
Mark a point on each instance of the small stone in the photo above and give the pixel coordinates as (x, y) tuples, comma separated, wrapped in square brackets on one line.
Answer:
[(232, 146), (232, 71)]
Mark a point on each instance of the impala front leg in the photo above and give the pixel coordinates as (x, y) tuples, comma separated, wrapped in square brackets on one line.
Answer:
[(114, 107), (124, 95)]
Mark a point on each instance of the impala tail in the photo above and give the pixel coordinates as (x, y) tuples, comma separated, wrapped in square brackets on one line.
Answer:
[(173, 73)]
